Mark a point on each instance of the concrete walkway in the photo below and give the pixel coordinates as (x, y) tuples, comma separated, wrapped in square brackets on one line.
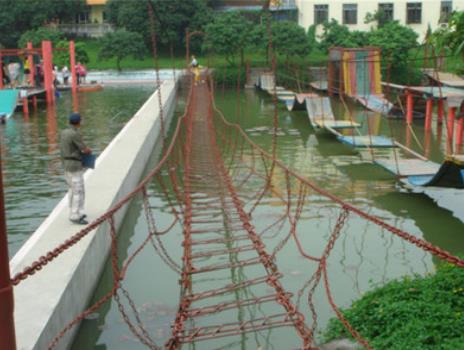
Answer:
[(48, 300)]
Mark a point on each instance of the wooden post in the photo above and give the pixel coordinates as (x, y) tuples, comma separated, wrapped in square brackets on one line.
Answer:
[(187, 47), (460, 131), (72, 62), (428, 114), (7, 329), (1, 72), (25, 105), (440, 111), (450, 125), (48, 70), (409, 107)]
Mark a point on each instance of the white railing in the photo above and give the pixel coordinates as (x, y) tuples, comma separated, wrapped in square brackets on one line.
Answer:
[(93, 30)]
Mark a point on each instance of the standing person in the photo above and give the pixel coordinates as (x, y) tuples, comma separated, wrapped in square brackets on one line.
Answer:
[(81, 73), (27, 73), (195, 68), (71, 148), (65, 75)]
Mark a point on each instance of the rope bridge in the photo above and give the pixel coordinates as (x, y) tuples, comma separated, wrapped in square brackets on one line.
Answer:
[(217, 185)]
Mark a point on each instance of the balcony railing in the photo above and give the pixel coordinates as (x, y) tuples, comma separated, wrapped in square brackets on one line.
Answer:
[(93, 30)]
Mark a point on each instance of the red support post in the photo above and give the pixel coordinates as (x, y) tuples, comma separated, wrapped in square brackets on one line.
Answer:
[(440, 111), (460, 131), (409, 107), (48, 70), (1, 72), (72, 62), (450, 125), (25, 106), (428, 114), (7, 329), (30, 59)]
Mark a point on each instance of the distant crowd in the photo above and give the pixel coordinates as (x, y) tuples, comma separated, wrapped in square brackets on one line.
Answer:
[(18, 74)]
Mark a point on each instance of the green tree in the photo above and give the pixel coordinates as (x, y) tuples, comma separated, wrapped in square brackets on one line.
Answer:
[(172, 18), (36, 36), (121, 44), (396, 40), (228, 35), (452, 37), (337, 35), (61, 58), (17, 17), (289, 39)]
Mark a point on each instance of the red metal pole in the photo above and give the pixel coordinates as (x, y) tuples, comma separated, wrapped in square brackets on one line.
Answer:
[(440, 111), (460, 131), (72, 62), (48, 70), (409, 107), (450, 126), (7, 329), (428, 114)]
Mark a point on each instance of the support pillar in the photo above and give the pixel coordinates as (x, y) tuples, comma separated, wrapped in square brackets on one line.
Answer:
[(409, 107), (460, 131), (440, 111), (428, 114), (7, 330), (48, 71), (450, 127), (25, 105), (72, 62)]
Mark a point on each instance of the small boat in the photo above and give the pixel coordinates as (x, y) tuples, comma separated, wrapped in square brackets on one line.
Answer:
[(89, 87)]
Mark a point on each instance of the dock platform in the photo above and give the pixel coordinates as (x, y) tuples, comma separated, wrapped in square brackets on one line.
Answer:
[(408, 167), (446, 79)]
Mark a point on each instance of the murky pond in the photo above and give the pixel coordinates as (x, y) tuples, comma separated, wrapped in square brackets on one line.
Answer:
[(364, 255), (32, 170)]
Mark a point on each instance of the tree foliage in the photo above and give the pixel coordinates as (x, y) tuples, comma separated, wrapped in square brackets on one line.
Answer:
[(36, 36), (120, 44), (289, 39), (452, 37), (228, 35), (172, 18), (337, 35), (422, 313), (395, 40), (17, 17), (61, 58)]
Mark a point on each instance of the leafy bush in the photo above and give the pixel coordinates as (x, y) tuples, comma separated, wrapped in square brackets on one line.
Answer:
[(337, 35), (421, 313), (229, 79), (38, 35)]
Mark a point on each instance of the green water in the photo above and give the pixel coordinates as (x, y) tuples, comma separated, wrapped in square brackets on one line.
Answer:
[(364, 256), (32, 171)]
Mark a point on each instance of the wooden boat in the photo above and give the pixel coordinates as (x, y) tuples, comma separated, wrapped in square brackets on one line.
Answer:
[(89, 87)]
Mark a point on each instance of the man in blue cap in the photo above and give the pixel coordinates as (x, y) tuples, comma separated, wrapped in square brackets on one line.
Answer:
[(71, 148)]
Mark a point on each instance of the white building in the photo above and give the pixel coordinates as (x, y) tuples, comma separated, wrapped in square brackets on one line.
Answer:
[(417, 14)]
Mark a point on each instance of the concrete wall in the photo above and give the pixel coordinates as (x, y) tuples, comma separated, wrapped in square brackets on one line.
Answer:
[(430, 13), (47, 301)]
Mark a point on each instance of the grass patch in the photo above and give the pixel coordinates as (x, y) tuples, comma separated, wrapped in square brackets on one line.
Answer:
[(420, 313)]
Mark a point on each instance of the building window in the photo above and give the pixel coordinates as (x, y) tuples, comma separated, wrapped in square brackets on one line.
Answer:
[(445, 11), (350, 14), (414, 12), (386, 12), (321, 14)]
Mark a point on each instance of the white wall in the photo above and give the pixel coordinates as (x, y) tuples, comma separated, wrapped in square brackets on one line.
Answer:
[(430, 12)]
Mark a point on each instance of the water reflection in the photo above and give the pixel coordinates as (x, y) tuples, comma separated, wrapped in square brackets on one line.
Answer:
[(32, 169), (364, 255)]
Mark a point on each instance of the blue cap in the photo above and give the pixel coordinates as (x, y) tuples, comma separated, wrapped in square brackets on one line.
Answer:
[(74, 118)]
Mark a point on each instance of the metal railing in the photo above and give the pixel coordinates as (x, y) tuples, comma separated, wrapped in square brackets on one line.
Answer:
[(93, 30)]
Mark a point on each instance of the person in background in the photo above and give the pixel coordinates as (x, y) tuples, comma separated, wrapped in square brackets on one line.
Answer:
[(81, 73), (71, 148), (65, 74), (195, 69), (27, 73), (55, 76)]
